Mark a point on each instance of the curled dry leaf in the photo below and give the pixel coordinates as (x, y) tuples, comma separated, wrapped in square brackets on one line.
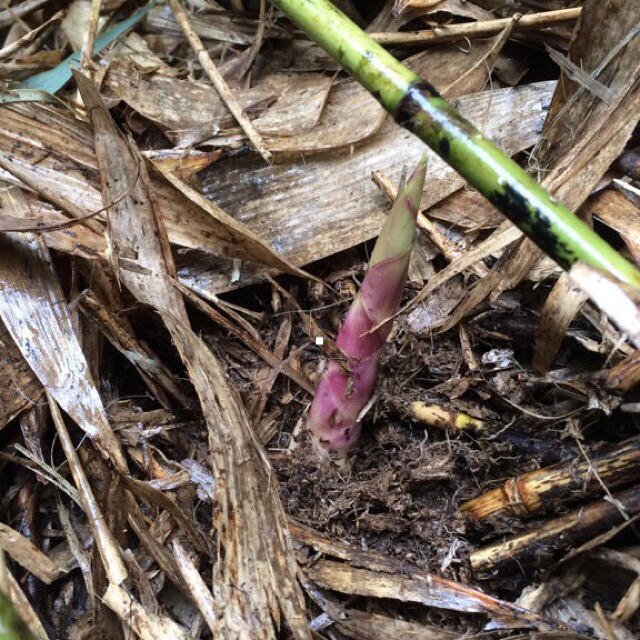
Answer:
[(618, 212)]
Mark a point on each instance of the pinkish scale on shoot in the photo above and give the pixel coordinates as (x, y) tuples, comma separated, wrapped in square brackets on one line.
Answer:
[(342, 394)]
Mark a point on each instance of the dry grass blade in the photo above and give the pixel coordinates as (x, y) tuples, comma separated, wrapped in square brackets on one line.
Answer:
[(217, 80), (25, 553), (7, 16), (208, 607), (90, 34), (476, 29), (255, 345), (251, 538), (574, 72), (146, 624), (35, 313), (28, 37), (167, 502), (110, 553), (502, 237)]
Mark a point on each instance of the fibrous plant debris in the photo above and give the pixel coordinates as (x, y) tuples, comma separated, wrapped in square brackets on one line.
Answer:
[(184, 225)]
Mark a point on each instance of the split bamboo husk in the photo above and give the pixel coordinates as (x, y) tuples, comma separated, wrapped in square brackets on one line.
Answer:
[(559, 483)]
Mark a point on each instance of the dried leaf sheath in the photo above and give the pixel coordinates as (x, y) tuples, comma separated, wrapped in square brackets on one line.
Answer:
[(341, 395), (417, 106)]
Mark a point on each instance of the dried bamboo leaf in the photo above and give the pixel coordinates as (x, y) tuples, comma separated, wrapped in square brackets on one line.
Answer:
[(108, 548), (353, 115), (361, 625), (208, 607), (248, 515), (8, 15), (260, 251), (222, 27), (459, 8), (34, 312), (581, 137), (612, 297), (19, 387), (467, 209), (559, 310), (148, 625), (168, 503), (252, 542), (59, 180), (25, 553), (617, 211), (152, 370), (298, 107), (350, 115), (295, 202), (179, 106), (425, 589)]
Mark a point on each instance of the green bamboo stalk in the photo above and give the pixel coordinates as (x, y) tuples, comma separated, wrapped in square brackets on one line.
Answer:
[(11, 625), (416, 105)]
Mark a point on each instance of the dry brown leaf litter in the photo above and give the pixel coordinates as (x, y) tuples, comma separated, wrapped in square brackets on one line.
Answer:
[(208, 515)]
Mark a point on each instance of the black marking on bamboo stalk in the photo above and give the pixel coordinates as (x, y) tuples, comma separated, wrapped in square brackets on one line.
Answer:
[(423, 112), (411, 103), (530, 219), (444, 147)]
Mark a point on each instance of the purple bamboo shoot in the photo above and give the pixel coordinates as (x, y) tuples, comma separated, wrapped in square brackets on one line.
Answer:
[(344, 390)]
